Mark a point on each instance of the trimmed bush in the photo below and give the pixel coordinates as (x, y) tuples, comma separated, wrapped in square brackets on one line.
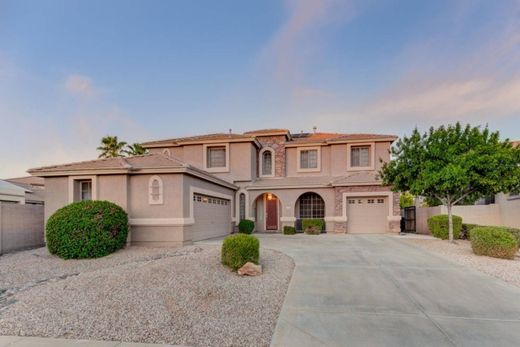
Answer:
[(466, 230), (493, 242), (515, 233), (238, 249), (438, 226), (246, 226), (313, 226), (288, 230), (87, 229)]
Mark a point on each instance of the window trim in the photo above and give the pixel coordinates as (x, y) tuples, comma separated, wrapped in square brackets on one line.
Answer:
[(371, 159), (159, 201), (298, 159), (267, 149), (80, 189), (205, 157), (166, 152), (74, 179)]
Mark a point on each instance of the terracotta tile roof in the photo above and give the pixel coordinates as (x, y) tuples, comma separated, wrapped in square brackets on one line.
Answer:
[(515, 143), (206, 137), (357, 178), (137, 162), (266, 131), (331, 137)]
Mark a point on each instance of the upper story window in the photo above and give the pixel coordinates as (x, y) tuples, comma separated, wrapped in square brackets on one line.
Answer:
[(309, 159), (266, 162), (155, 191), (216, 158), (85, 190), (360, 156)]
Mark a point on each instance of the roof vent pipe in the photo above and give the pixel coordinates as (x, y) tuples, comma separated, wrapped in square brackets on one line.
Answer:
[(314, 128), (230, 131)]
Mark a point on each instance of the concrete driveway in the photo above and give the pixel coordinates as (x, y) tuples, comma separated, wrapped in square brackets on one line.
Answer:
[(377, 290)]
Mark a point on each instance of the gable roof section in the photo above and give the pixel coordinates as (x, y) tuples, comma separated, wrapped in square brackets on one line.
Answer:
[(146, 163), (218, 137)]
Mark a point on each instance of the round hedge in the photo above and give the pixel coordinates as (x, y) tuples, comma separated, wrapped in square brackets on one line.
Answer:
[(246, 226), (238, 249), (438, 226), (493, 242), (87, 229)]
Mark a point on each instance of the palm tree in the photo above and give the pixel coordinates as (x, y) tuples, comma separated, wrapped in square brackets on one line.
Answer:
[(135, 149), (111, 147)]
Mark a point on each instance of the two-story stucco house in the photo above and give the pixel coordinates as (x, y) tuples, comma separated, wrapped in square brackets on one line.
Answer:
[(192, 188)]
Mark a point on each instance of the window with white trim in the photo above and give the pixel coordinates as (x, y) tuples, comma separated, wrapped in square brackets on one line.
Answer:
[(85, 190), (155, 191), (267, 163), (309, 159), (242, 206), (360, 156), (216, 157)]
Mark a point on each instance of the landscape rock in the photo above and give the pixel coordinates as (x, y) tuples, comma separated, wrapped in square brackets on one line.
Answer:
[(250, 269)]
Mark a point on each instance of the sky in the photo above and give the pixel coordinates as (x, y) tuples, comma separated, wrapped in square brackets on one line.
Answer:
[(74, 71)]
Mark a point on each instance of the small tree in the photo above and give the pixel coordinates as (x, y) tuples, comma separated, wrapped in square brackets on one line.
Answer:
[(406, 200), (453, 164)]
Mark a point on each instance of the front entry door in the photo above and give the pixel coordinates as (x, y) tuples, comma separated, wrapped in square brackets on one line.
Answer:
[(271, 213)]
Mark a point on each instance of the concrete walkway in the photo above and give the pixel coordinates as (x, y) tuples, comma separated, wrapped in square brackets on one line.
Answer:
[(377, 290), (17, 341)]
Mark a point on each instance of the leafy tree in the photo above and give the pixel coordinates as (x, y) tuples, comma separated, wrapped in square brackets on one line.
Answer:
[(406, 200), (453, 163), (111, 147), (135, 149)]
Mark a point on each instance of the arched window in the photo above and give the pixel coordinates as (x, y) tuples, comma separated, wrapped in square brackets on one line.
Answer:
[(166, 152), (266, 162), (242, 206), (310, 205), (155, 191)]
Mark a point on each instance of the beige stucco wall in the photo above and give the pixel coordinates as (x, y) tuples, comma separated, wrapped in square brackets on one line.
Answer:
[(113, 188), (504, 212), (509, 210), (172, 207), (56, 194), (21, 226)]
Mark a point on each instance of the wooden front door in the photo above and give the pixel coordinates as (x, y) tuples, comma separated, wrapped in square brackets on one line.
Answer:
[(271, 213)]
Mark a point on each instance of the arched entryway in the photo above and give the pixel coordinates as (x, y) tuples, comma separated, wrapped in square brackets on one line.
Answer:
[(309, 205), (267, 209)]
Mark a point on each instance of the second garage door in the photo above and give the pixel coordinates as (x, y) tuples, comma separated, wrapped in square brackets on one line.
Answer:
[(367, 215), (212, 217)]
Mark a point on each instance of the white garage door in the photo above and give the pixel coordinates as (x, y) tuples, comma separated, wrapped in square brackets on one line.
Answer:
[(367, 215), (212, 217)]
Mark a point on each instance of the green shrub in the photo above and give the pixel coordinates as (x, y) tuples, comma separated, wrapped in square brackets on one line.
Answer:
[(87, 229), (515, 233), (288, 230), (493, 242), (438, 226), (246, 226), (238, 249), (313, 226), (466, 230)]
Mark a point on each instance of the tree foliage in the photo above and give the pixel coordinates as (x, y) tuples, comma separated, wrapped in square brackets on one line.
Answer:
[(111, 147), (406, 200), (452, 164), (135, 149)]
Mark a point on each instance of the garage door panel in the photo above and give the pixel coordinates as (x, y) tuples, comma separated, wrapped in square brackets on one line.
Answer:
[(367, 215), (212, 217)]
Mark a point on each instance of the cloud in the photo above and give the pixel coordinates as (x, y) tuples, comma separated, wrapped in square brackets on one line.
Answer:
[(298, 40), (80, 85)]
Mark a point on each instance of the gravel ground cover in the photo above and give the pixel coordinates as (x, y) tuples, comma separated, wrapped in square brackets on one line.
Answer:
[(177, 296), (507, 270)]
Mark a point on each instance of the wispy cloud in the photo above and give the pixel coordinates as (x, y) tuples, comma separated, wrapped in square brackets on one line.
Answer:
[(80, 85)]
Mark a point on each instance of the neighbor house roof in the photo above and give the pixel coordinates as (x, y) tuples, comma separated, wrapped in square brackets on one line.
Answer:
[(27, 180), (225, 137), (515, 143), (146, 163), (7, 188)]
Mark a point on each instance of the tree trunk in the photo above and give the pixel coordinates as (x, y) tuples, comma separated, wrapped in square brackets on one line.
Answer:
[(450, 223)]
